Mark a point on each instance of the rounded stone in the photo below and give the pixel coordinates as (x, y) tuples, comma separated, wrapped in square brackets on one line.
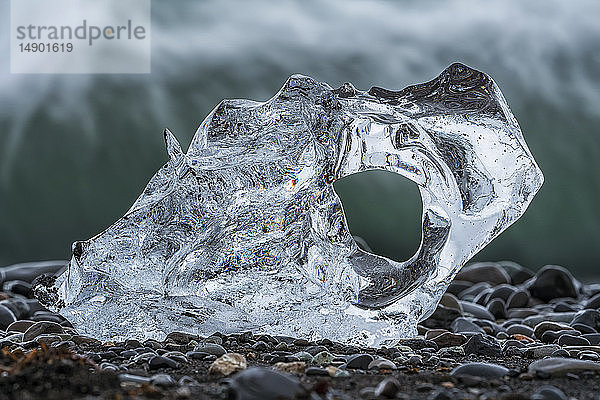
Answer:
[(518, 299), (482, 345), (381, 363), (7, 317), (359, 361), (548, 393), (520, 330), (479, 369), (497, 308), (570, 340), (463, 325), (227, 364), (553, 282), (476, 311), (263, 383), (388, 388), (483, 272), (210, 348), (40, 328)]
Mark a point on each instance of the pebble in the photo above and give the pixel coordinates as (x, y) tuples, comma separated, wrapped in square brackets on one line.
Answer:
[(7, 317), (381, 363), (588, 355), (561, 366), (553, 282), (479, 369), (163, 380), (227, 364), (134, 378), (483, 272), (540, 351), (482, 345), (388, 388), (303, 356), (472, 291), (548, 393), (593, 302), (417, 343), (564, 317), (570, 340), (210, 348), (518, 274), (542, 327), (520, 329), (560, 353), (497, 308), (359, 361), (476, 311), (265, 384), (181, 337), (463, 325), (297, 367), (316, 371), (448, 339), (594, 338), (323, 358), (40, 328), (442, 317), (518, 299), (591, 318), (157, 362), (450, 301), (20, 326)]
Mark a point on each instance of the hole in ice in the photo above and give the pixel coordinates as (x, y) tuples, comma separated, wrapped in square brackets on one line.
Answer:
[(384, 209)]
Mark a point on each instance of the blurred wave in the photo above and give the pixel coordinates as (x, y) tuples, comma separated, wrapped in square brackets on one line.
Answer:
[(76, 150)]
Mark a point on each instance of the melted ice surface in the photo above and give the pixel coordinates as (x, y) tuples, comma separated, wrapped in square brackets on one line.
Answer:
[(245, 230)]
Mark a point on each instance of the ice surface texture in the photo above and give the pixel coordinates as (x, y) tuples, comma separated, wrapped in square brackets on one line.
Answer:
[(246, 232)]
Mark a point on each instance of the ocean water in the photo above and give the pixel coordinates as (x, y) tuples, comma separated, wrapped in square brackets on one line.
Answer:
[(76, 150)]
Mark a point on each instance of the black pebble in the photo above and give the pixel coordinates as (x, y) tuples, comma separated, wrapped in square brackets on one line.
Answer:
[(553, 282), (7, 317), (359, 361), (157, 362), (482, 345)]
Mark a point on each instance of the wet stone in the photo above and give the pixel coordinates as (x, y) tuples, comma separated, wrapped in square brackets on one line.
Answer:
[(497, 308), (381, 363), (163, 380), (482, 345), (7, 317), (482, 370), (570, 340), (553, 282), (42, 327), (542, 327), (227, 364), (549, 393), (518, 299), (157, 362), (483, 272), (316, 371), (387, 388), (359, 361), (590, 318), (476, 311), (561, 366), (520, 329), (210, 348), (463, 325), (448, 339), (265, 384)]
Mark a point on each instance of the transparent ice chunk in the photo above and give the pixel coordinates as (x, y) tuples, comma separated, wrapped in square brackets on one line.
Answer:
[(246, 232)]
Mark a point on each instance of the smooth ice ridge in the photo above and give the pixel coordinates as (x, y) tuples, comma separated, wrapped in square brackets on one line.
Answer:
[(245, 230)]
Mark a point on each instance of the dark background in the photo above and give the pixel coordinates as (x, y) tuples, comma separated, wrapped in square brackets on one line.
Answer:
[(76, 150)]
